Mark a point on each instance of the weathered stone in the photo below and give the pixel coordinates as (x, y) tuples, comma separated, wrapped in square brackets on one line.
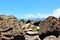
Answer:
[(10, 27), (50, 38), (27, 37)]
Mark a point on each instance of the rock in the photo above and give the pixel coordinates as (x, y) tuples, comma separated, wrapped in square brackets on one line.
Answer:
[(31, 32), (12, 29), (50, 38), (31, 29), (27, 37), (49, 24), (9, 26)]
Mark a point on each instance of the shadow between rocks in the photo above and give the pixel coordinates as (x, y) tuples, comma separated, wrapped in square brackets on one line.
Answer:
[(54, 33), (18, 37)]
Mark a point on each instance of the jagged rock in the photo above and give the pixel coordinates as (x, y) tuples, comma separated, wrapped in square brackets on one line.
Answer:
[(49, 24), (9, 26), (31, 29)]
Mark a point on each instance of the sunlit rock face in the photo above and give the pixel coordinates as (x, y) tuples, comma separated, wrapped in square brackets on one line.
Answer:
[(35, 37), (9, 27), (31, 31)]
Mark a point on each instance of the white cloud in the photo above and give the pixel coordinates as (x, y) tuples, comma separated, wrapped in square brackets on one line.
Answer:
[(55, 13), (30, 16), (38, 15)]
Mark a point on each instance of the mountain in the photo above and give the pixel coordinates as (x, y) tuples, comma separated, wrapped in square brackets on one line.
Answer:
[(35, 19)]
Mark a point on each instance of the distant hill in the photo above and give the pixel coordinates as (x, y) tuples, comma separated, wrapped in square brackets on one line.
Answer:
[(35, 19)]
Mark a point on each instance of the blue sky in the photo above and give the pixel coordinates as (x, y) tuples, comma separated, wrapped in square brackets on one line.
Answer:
[(30, 8)]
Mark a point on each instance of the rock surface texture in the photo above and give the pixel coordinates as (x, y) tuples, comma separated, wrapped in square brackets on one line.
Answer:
[(51, 38), (36, 37), (13, 29), (9, 27)]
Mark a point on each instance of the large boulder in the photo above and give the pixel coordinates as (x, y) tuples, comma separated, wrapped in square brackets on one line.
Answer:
[(49, 24), (9, 27)]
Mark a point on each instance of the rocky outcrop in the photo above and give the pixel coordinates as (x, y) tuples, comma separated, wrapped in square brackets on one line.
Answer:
[(49, 24), (13, 29), (9, 27)]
